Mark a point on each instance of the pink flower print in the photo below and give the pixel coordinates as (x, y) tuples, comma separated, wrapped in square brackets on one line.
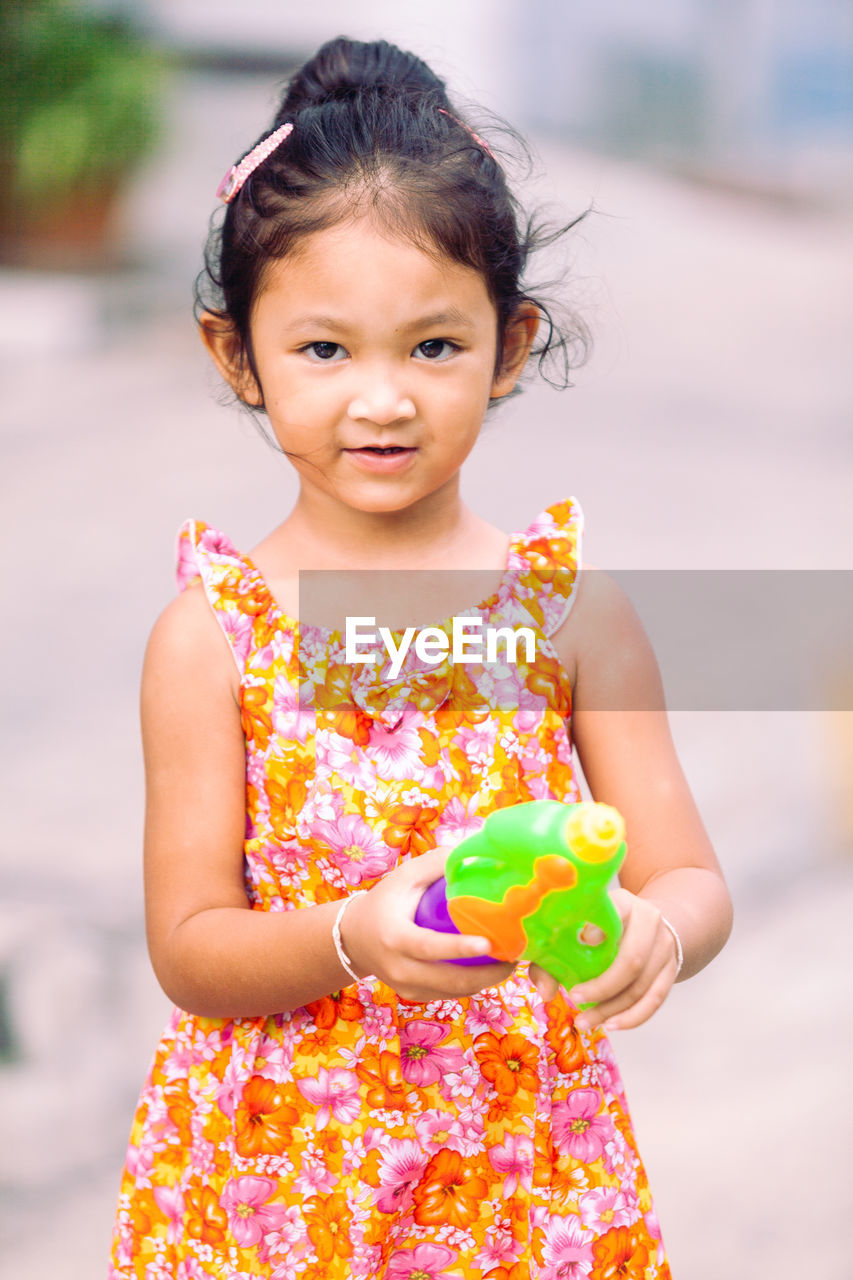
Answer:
[(514, 1158), (340, 755), (203, 1157), (538, 786), (478, 743), (274, 1060), (401, 1168), (439, 1129), (238, 629), (249, 1215), (170, 1201), (354, 848), (190, 1269), (653, 1228), (488, 1013), (288, 1240), (607, 1068), (615, 1153), (140, 1161), (458, 820), (378, 1023), (396, 753), (335, 1092), (501, 1249), (289, 1270), (291, 718), (423, 1062), (606, 1207), (424, 1262), (462, 1083), (567, 1251), (316, 1178), (577, 1126)]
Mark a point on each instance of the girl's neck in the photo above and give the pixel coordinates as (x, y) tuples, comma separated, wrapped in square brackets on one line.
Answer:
[(441, 534)]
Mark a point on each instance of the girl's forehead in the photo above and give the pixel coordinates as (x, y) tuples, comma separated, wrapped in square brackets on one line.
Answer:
[(354, 261)]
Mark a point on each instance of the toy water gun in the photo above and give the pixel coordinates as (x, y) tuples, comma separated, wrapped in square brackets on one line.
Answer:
[(530, 881)]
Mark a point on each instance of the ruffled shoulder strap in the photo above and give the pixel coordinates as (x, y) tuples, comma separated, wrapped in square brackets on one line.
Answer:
[(547, 556), (236, 592)]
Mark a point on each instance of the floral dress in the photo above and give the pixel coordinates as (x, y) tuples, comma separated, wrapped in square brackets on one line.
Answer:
[(365, 1135)]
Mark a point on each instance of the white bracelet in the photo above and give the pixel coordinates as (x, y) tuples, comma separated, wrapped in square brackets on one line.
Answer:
[(679, 953), (346, 963)]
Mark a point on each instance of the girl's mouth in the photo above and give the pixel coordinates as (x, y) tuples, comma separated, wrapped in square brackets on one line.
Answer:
[(385, 458)]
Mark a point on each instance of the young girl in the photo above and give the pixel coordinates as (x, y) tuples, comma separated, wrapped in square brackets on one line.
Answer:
[(331, 1098)]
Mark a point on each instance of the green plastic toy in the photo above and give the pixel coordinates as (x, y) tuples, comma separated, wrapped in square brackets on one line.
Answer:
[(531, 880)]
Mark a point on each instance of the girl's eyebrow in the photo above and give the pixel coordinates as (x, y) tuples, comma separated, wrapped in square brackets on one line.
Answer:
[(451, 316)]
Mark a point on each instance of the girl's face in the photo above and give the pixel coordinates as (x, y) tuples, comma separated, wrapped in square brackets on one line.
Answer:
[(377, 364)]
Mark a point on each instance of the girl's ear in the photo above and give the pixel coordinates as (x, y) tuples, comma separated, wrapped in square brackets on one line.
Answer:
[(519, 335), (226, 351)]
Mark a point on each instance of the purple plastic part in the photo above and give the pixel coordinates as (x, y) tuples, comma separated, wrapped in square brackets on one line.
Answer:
[(432, 913)]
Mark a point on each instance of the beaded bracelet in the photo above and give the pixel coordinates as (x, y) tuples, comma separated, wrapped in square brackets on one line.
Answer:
[(346, 963), (679, 953)]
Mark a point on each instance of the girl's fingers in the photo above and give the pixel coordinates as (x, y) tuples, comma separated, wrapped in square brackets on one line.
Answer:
[(431, 945), (636, 1002), (633, 1015), (645, 965), (545, 983)]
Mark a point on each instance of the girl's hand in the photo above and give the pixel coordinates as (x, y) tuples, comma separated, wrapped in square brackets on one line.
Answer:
[(639, 979), (380, 936)]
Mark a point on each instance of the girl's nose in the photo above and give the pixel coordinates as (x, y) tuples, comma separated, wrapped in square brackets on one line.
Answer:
[(381, 402)]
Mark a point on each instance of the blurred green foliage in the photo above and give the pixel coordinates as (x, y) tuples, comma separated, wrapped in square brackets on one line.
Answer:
[(79, 100)]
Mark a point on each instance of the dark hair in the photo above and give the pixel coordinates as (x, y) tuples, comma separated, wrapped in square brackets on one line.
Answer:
[(374, 132)]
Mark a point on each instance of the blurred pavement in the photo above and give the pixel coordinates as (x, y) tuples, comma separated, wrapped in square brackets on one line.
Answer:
[(711, 429)]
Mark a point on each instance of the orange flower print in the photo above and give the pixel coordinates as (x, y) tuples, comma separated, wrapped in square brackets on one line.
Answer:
[(343, 716), (179, 1106), (288, 794), (142, 1208), (204, 1217), (504, 1107), (387, 1090), (449, 1192), (465, 705), (510, 1062), (410, 828), (430, 747), (248, 593), (340, 1004), (256, 714), (620, 1255), (548, 679), (263, 1121), (328, 1227), (520, 1271), (564, 1039)]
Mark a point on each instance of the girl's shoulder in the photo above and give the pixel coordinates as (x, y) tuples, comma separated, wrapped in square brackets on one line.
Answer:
[(223, 605)]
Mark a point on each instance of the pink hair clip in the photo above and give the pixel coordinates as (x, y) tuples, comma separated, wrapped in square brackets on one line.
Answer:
[(238, 173), (469, 131)]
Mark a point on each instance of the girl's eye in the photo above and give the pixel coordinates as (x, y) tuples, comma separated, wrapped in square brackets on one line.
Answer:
[(326, 351), (435, 349)]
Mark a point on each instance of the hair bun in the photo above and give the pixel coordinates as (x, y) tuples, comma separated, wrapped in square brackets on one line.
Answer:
[(343, 68)]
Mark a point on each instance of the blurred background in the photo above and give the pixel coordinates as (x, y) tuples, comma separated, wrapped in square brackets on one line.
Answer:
[(709, 430)]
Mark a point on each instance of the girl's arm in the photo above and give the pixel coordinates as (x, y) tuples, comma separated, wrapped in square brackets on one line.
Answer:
[(622, 737), (213, 954)]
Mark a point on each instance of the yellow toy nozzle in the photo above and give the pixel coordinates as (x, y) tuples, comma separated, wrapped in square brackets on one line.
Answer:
[(594, 832)]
